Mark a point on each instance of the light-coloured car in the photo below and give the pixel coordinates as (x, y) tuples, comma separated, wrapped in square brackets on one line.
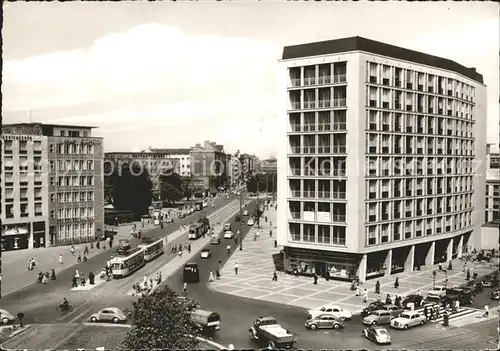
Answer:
[(228, 234), (326, 320), (109, 314), (332, 309), (378, 317), (245, 213), (408, 319), (205, 253), (250, 222), (395, 310), (377, 334), (437, 292), (6, 317)]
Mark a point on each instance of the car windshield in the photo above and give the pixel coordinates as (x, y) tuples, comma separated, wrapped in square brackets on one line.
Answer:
[(404, 315)]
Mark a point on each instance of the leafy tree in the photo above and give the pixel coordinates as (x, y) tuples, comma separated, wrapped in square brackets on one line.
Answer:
[(171, 187), (262, 182), (187, 187), (161, 322), (132, 189), (257, 214), (110, 179)]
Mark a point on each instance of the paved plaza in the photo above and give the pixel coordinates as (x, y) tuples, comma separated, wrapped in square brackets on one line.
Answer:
[(256, 267)]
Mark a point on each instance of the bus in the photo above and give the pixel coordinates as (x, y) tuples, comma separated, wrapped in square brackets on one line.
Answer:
[(191, 273), (153, 250), (125, 265), (195, 231), (198, 205), (207, 321)]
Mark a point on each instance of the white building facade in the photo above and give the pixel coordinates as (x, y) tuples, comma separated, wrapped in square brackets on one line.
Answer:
[(382, 166)]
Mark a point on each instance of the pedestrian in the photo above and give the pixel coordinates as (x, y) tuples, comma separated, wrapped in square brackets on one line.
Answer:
[(296, 272), (189, 248), (270, 233), (86, 251), (211, 276), (72, 249), (275, 277), (426, 313), (467, 276), (388, 299), (457, 305), (84, 258), (217, 274), (73, 282), (419, 293), (396, 283), (437, 311), (228, 250), (450, 266), (53, 275), (79, 259), (98, 245), (82, 280), (60, 259), (486, 311), (159, 278), (440, 267), (357, 292), (91, 278), (431, 314), (365, 295), (180, 252), (185, 288), (235, 267), (377, 287)]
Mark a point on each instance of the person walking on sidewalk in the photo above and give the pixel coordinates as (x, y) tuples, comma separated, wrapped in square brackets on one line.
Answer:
[(365, 295), (60, 259), (235, 267), (210, 276), (315, 277), (30, 266), (377, 287), (217, 274), (86, 251), (185, 288), (73, 282), (486, 311), (53, 275), (275, 277), (228, 250), (79, 259), (396, 283), (72, 249)]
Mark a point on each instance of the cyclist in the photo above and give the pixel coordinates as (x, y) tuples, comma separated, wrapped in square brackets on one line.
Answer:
[(64, 305)]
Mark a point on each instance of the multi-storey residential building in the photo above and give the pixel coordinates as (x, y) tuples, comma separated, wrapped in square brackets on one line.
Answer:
[(402, 130), (208, 167), (67, 183), (269, 166), (25, 212), (182, 155), (247, 165), (155, 162), (492, 205)]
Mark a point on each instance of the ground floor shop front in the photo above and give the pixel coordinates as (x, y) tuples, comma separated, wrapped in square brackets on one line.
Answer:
[(19, 236), (349, 266)]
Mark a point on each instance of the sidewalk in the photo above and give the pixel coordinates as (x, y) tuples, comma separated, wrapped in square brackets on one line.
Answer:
[(15, 274), (256, 267)]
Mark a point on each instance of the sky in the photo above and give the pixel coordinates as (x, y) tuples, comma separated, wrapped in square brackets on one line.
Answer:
[(173, 74)]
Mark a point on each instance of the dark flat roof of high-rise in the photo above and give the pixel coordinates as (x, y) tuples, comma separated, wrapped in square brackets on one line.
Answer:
[(338, 46)]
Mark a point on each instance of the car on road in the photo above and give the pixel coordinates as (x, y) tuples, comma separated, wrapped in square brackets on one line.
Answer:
[(417, 300), (245, 213), (205, 253), (377, 334), (376, 305), (182, 215), (408, 319), (227, 227), (495, 294), (331, 309), (6, 317), (393, 309), (437, 292), (250, 222), (109, 314), (463, 295), (325, 321), (378, 317), (228, 234)]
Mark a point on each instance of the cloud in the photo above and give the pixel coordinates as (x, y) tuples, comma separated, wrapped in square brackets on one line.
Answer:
[(151, 75)]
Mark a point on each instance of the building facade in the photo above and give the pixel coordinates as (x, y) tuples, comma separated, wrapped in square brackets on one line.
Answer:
[(67, 188), (208, 171), (183, 157), (403, 131), (269, 166)]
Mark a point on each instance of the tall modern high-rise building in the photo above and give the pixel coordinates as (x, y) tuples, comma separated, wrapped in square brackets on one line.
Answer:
[(52, 185), (382, 160)]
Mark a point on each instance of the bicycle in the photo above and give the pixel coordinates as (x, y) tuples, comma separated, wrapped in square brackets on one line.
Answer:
[(64, 310)]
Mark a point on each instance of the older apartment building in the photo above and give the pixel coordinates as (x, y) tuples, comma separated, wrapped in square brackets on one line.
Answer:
[(52, 185), (379, 145)]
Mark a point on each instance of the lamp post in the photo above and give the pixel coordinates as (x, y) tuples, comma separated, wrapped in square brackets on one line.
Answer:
[(433, 279), (241, 222), (446, 279)]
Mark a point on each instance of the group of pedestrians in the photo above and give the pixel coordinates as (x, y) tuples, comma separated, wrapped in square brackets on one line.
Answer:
[(178, 249), (147, 285), (80, 280)]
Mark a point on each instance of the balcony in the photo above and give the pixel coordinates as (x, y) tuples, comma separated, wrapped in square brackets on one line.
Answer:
[(338, 218), (309, 149), (295, 215), (429, 231), (310, 127), (295, 127), (23, 183), (339, 103), (324, 79), (310, 194), (339, 78), (295, 105), (295, 171), (325, 103), (295, 82), (310, 104), (309, 80), (438, 230), (293, 149), (324, 127), (323, 194), (295, 193), (338, 195), (324, 149)]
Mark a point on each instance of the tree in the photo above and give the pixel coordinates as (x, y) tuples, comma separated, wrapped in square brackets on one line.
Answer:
[(262, 182), (171, 187), (132, 189), (187, 187), (161, 322), (110, 179)]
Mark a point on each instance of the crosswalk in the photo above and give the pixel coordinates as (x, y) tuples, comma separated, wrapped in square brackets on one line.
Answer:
[(463, 312)]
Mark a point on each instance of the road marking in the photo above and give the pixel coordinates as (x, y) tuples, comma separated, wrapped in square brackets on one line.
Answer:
[(111, 325), (80, 315)]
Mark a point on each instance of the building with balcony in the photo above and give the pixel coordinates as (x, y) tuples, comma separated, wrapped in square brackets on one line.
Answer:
[(403, 131), (183, 157), (248, 164), (60, 195), (208, 168)]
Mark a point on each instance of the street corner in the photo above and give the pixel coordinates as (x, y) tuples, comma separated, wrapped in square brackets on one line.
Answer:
[(9, 331), (98, 281)]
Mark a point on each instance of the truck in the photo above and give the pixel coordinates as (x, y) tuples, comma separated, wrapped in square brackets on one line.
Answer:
[(207, 321), (268, 333)]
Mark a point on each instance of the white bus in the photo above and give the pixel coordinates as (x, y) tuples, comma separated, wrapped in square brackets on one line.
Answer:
[(153, 250), (126, 265)]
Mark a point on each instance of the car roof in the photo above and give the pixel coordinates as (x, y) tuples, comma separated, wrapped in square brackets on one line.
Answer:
[(114, 309), (391, 305), (330, 306), (383, 311), (325, 315), (411, 312), (379, 328)]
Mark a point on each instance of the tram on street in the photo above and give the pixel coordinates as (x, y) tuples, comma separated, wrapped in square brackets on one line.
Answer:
[(195, 231), (125, 265), (153, 250)]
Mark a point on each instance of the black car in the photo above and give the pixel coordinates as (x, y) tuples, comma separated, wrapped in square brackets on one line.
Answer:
[(463, 295), (372, 307), (417, 300), (477, 287), (495, 294)]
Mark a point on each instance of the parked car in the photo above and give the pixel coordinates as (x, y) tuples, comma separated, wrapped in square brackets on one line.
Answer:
[(393, 309), (205, 253), (372, 307), (6, 317), (463, 295), (495, 294), (245, 213), (377, 334), (437, 292), (109, 314), (378, 317), (250, 222), (326, 320), (417, 300), (228, 234), (408, 319), (333, 309)]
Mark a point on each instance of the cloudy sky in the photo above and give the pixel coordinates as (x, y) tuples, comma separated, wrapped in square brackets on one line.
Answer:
[(174, 74)]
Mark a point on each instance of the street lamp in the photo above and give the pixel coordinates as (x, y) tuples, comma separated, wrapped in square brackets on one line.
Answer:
[(433, 279), (446, 279)]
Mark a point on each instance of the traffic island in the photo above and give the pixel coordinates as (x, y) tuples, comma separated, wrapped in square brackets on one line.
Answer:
[(9, 331)]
